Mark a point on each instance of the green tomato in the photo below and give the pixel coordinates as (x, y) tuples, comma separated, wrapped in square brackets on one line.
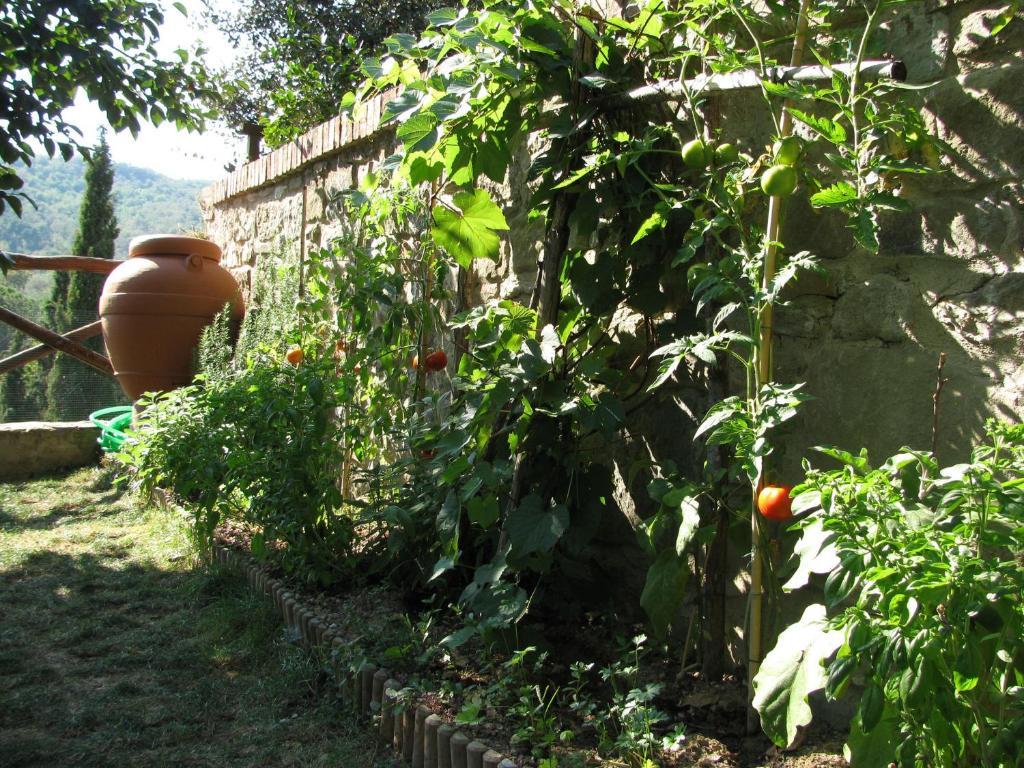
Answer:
[(695, 154), (726, 153), (779, 181), (787, 151)]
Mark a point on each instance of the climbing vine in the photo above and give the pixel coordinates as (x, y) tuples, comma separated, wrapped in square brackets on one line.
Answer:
[(647, 210)]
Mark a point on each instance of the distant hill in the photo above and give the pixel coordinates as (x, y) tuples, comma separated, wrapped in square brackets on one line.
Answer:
[(145, 202)]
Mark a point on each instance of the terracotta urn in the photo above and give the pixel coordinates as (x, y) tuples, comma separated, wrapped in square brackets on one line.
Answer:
[(155, 305)]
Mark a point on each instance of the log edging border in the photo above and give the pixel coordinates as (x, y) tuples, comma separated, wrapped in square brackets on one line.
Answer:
[(418, 736)]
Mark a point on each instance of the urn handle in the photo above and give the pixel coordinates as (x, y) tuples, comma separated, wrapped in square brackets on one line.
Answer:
[(194, 262)]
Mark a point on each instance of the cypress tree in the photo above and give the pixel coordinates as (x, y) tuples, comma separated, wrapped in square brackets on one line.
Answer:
[(73, 388)]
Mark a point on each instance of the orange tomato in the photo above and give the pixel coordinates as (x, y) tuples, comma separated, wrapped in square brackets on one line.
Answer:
[(294, 355), (774, 502)]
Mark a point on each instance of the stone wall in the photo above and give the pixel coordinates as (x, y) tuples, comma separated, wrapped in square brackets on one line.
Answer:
[(949, 277), (866, 338)]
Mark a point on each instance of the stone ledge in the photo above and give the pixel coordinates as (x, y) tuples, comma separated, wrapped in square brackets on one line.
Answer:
[(33, 448), (329, 138)]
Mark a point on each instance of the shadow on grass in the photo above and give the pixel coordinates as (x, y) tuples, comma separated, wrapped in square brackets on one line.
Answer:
[(107, 658), (101, 506)]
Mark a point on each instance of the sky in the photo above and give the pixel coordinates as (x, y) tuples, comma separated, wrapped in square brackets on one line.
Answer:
[(165, 149)]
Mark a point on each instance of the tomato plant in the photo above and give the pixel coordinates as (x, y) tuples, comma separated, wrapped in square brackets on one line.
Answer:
[(923, 619)]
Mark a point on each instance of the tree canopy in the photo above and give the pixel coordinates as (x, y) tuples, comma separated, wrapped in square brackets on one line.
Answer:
[(303, 55), (52, 49)]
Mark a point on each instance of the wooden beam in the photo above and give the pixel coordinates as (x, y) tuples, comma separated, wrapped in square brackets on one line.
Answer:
[(58, 342), (35, 353), (61, 263)]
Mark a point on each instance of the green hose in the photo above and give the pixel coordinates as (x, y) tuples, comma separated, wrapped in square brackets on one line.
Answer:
[(112, 423)]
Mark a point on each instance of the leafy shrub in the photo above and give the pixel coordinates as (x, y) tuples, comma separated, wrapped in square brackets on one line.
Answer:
[(255, 440), (923, 616)]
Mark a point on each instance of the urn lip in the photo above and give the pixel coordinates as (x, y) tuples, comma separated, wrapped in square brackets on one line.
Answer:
[(173, 245)]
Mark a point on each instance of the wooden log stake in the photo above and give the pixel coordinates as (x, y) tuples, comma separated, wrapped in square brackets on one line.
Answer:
[(42, 350), (62, 263), (58, 342)]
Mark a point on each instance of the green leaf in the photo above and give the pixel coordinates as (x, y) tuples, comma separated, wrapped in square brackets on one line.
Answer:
[(689, 509), (791, 672), (872, 702), (824, 127), (443, 17), (877, 749), (483, 510), (448, 522), (653, 222), (531, 528), (664, 590), (468, 233), (816, 554), (418, 133), (837, 195), (596, 81), (442, 566), (402, 107), (865, 228)]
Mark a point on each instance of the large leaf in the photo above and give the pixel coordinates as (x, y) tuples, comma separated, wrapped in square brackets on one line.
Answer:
[(664, 590), (874, 747), (791, 672), (467, 232), (418, 133), (816, 554), (531, 528)]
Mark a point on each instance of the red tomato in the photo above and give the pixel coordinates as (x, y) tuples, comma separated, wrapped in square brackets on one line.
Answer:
[(436, 361), (774, 502)]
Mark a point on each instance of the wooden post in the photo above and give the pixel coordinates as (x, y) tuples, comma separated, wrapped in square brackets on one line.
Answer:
[(764, 362), (61, 263), (58, 342), (35, 353)]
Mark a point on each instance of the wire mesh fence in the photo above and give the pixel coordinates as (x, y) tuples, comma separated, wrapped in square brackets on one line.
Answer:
[(57, 387)]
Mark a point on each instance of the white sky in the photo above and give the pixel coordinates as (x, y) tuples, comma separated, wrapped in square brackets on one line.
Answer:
[(177, 154)]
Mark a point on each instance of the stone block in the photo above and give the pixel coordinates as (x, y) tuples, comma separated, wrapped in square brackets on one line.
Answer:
[(977, 47), (804, 316), (952, 220), (979, 115), (876, 308), (990, 319), (34, 448), (920, 37)]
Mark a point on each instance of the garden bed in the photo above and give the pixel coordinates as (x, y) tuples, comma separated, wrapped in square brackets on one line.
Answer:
[(381, 649)]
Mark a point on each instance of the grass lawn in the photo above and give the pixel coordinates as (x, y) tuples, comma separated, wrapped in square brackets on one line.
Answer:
[(117, 649)]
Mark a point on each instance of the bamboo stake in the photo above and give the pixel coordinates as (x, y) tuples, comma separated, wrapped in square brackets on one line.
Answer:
[(58, 342), (748, 79), (35, 353), (764, 362), (61, 263)]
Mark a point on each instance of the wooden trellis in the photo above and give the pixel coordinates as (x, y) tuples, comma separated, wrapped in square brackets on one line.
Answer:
[(68, 343)]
